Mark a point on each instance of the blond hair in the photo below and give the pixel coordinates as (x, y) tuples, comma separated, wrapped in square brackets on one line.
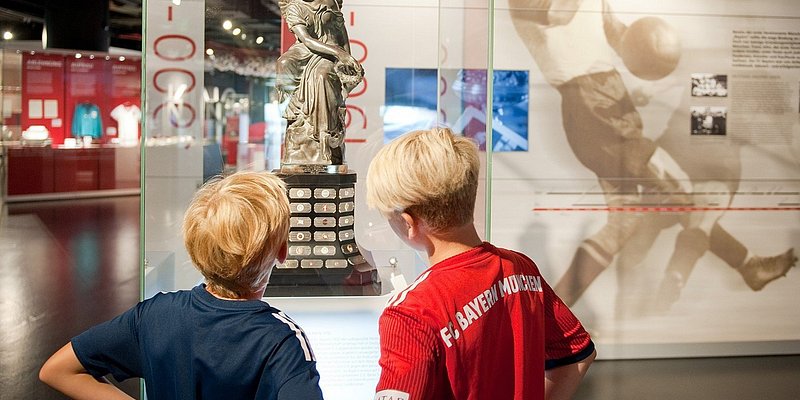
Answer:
[(430, 174), (234, 229)]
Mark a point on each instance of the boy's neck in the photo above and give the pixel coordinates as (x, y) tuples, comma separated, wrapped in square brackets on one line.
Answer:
[(252, 296), (442, 246)]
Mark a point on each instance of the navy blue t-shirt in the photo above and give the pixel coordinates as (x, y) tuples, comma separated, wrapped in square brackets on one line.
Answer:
[(192, 345)]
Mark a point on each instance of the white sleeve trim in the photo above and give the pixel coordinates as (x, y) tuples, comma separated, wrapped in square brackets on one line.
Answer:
[(298, 333)]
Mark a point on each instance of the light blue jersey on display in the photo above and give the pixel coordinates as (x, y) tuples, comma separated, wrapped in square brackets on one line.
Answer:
[(86, 121)]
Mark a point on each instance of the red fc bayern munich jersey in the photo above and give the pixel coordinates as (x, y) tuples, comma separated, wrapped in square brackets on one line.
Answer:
[(480, 325)]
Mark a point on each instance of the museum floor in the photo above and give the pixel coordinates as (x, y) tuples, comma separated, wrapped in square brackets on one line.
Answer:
[(66, 265)]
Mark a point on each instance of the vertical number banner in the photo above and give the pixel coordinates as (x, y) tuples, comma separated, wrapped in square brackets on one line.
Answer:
[(174, 68)]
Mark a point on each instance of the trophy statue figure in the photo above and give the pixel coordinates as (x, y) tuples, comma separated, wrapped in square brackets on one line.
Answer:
[(317, 73)]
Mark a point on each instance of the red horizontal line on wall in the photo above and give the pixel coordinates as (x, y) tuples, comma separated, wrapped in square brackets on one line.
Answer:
[(663, 209), (355, 140)]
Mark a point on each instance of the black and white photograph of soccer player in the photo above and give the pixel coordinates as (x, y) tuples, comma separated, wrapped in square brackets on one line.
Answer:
[(708, 120)]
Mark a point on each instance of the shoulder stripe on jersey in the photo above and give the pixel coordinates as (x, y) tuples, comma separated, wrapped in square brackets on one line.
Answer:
[(298, 332), (402, 295), (394, 297)]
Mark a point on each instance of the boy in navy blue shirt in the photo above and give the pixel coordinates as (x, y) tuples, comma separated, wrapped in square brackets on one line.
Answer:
[(218, 340)]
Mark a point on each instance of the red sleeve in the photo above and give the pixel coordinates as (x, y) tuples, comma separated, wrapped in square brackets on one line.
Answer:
[(408, 357), (566, 341)]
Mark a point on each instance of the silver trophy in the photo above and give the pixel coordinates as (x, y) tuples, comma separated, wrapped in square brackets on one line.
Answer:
[(316, 74)]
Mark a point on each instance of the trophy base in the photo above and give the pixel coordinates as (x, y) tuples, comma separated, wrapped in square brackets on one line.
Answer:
[(323, 257), (356, 284), (313, 169)]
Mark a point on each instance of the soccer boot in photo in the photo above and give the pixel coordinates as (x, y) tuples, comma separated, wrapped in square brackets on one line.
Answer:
[(759, 271)]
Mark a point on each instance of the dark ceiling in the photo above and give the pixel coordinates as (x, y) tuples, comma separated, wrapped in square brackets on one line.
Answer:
[(25, 18)]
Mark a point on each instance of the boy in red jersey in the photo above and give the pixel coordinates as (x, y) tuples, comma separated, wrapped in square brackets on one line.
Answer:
[(480, 323)]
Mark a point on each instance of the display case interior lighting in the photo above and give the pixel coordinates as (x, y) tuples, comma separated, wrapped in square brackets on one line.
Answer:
[(236, 31), (7, 35), (227, 24), (259, 40)]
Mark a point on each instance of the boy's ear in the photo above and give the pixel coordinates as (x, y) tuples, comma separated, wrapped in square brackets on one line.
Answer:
[(283, 252), (412, 225)]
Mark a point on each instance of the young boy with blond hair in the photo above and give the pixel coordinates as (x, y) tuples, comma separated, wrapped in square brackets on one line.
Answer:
[(481, 322), (217, 340)]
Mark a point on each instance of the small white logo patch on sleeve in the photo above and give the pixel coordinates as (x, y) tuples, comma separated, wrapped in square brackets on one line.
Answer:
[(390, 394)]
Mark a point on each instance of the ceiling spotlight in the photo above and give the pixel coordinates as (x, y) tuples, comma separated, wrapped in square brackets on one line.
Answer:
[(236, 31), (176, 2), (91, 56), (121, 58), (259, 40), (244, 36), (7, 35), (210, 52), (227, 24), (78, 55)]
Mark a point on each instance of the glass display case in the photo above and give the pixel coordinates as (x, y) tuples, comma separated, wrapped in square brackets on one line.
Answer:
[(70, 122), (644, 154)]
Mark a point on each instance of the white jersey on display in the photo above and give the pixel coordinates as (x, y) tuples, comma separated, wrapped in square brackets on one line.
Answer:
[(127, 117)]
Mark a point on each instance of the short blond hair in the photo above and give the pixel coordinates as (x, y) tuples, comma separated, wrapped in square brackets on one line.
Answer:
[(430, 174), (234, 229)]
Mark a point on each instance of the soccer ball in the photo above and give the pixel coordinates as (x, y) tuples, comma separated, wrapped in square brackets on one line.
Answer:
[(650, 48)]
